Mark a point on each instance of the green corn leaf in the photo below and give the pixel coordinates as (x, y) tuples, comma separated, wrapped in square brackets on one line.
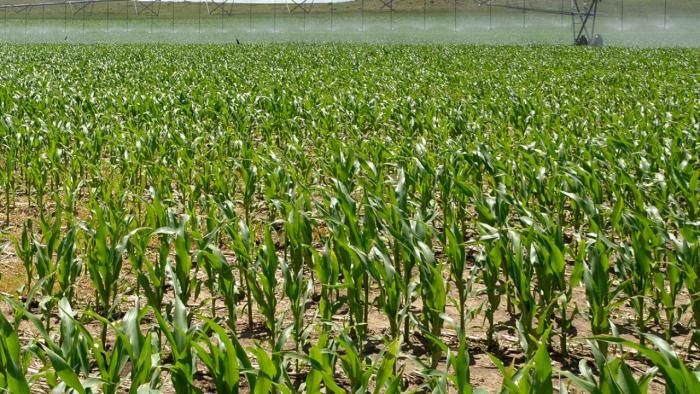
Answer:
[(65, 372), (11, 361)]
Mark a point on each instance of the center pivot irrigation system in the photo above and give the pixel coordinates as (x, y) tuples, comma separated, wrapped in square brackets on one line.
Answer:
[(583, 15), (583, 12), (152, 7)]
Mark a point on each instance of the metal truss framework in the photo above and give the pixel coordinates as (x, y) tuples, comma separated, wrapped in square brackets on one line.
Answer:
[(583, 15), (219, 7), (76, 6), (152, 7), (81, 6), (147, 7), (299, 5), (586, 14), (583, 12)]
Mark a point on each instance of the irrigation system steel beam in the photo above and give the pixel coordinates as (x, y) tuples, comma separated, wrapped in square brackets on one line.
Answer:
[(53, 3), (220, 6), (76, 7), (303, 5), (151, 7)]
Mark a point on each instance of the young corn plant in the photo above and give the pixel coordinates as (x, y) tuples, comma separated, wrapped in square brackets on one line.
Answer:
[(136, 253), (242, 246), (494, 234), (489, 263), (223, 283), (321, 361), (388, 378), (107, 242), (150, 275), (614, 376), (68, 266), (327, 272), (180, 335), (143, 351), (353, 364), (150, 272), (262, 281), (71, 194), (457, 258), (110, 361), (353, 241), (26, 250), (353, 270), (182, 241), (13, 360), (434, 297), (248, 173), (599, 291), (205, 244), (297, 287), (219, 355), (667, 287), (457, 365), (46, 267), (390, 287), (678, 377), (271, 374), (688, 254), (8, 179), (70, 359), (530, 327), (39, 179), (360, 370), (461, 376), (534, 377), (553, 289), (393, 214), (636, 267)]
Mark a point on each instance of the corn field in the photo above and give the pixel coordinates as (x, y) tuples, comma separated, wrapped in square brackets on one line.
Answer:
[(349, 218)]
